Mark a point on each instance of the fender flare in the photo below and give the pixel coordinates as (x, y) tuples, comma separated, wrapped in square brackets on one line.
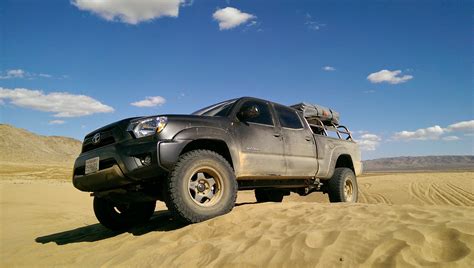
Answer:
[(334, 161), (188, 135)]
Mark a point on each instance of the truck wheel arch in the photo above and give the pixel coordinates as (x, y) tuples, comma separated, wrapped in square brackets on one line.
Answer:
[(342, 160), (210, 138), (215, 145)]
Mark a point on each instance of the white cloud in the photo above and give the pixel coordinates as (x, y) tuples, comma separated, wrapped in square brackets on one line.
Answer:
[(431, 133), (45, 75), (312, 24), (464, 126), (329, 68), (181, 95), (230, 17), (391, 77), (436, 132), (253, 25), (132, 12), (19, 74), (56, 122), (150, 102), (16, 73), (62, 104), (369, 142), (10, 74), (450, 138)]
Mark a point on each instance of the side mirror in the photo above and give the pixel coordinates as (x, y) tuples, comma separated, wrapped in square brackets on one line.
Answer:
[(248, 112)]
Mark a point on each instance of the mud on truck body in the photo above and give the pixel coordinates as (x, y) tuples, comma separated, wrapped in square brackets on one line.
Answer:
[(196, 163)]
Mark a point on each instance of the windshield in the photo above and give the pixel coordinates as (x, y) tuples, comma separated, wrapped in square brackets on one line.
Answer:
[(219, 109)]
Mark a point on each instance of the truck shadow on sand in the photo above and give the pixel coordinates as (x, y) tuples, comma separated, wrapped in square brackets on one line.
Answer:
[(161, 221)]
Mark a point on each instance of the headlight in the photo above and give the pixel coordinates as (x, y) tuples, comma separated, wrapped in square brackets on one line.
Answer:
[(148, 126)]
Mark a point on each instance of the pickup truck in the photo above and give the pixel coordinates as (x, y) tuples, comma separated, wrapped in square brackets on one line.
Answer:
[(196, 163)]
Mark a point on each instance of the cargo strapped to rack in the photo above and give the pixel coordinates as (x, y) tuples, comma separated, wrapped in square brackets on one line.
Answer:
[(322, 119), (314, 111)]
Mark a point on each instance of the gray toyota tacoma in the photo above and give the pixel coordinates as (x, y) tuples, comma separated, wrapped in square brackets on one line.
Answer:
[(196, 163)]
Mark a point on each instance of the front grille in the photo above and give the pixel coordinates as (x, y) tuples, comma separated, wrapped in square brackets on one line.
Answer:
[(106, 138)]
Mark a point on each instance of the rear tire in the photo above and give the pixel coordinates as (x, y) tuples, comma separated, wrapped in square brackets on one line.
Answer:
[(201, 186), (342, 186), (122, 216), (269, 195)]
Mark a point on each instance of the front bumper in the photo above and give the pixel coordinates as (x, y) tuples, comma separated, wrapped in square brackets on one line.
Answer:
[(120, 164)]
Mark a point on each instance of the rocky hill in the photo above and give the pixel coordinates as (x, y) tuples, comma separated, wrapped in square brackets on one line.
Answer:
[(420, 163), (23, 147)]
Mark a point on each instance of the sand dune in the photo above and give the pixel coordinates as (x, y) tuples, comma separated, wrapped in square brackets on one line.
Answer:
[(403, 219)]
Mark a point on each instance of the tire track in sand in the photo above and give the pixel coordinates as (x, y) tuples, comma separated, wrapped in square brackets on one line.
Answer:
[(366, 196), (436, 194)]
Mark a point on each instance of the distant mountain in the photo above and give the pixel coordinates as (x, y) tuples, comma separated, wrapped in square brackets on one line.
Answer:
[(21, 146), (425, 163)]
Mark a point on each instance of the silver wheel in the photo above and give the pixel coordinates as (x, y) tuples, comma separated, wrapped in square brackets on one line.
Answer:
[(205, 186), (348, 190)]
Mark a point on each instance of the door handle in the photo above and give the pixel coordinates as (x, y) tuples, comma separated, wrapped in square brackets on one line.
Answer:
[(308, 138), (277, 135)]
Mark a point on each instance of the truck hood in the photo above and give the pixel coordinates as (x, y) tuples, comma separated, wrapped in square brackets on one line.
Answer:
[(176, 122)]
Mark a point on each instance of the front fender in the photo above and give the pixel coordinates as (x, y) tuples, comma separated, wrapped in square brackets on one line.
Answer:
[(169, 151), (202, 132)]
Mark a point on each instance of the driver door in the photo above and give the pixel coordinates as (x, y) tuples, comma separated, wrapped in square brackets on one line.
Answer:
[(261, 143)]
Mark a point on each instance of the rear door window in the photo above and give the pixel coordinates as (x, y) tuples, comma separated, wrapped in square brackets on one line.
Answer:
[(288, 117)]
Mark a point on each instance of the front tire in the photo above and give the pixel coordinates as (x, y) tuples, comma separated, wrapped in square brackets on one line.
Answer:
[(122, 216), (342, 186), (201, 186)]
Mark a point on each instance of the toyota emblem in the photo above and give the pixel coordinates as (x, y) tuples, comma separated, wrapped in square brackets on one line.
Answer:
[(96, 138)]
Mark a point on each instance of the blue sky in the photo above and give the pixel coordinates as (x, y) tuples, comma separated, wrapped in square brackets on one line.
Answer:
[(399, 72)]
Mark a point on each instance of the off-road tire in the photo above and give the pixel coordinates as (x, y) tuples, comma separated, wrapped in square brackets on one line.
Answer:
[(178, 197), (269, 195), (338, 183), (121, 217)]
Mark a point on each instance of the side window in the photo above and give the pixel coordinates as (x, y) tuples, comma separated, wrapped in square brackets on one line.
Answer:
[(288, 117), (264, 116)]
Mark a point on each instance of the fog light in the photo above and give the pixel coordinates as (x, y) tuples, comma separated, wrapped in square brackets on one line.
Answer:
[(146, 161)]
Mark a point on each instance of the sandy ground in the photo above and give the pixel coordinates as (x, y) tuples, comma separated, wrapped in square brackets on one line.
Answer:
[(402, 220)]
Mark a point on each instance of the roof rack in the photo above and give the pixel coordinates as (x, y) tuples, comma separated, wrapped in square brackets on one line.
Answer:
[(315, 122)]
